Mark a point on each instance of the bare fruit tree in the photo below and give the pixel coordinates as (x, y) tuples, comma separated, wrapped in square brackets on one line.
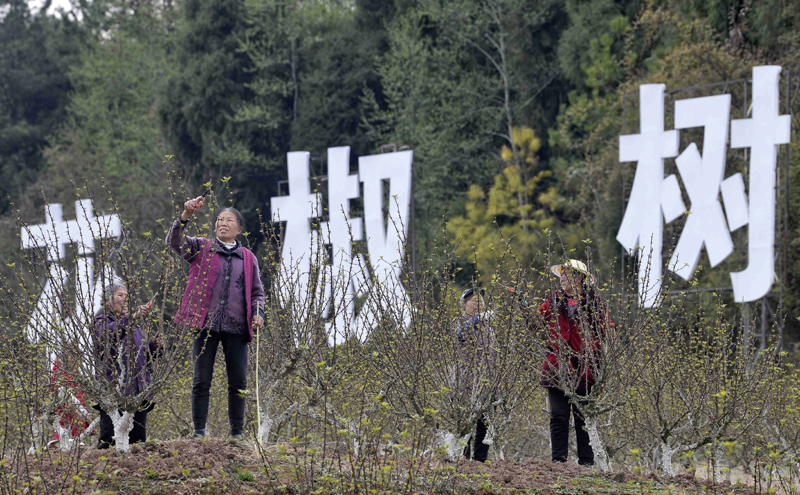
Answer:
[(60, 320)]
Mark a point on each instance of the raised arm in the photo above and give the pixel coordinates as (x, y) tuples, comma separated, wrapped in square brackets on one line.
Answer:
[(187, 247)]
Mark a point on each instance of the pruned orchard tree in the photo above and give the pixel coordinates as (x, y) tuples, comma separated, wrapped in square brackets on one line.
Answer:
[(452, 369), (705, 386), (59, 321), (311, 342)]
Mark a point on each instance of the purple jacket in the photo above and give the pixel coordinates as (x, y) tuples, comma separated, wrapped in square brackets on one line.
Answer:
[(204, 287), (111, 334)]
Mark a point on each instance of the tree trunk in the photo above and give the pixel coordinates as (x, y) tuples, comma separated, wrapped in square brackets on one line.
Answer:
[(37, 426), (64, 435), (601, 459), (88, 431), (353, 427), (268, 421), (123, 424), (453, 447), (492, 440), (264, 428), (717, 452), (666, 460)]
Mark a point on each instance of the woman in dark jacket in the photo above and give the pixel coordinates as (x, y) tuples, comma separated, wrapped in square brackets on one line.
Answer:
[(223, 303), (474, 353), (114, 331), (576, 318)]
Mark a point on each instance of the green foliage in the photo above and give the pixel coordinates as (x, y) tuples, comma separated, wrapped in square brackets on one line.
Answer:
[(244, 475), (337, 53), (111, 136), (36, 51), (590, 35), (518, 210), (210, 82), (438, 102), (772, 27), (456, 78)]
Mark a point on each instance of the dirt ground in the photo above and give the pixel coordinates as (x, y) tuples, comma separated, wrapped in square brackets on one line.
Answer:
[(215, 466), (550, 477)]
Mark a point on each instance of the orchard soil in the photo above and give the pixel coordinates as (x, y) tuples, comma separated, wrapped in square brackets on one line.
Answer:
[(215, 466)]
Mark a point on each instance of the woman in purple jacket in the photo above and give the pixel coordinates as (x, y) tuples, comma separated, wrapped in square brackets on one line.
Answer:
[(115, 329), (223, 302)]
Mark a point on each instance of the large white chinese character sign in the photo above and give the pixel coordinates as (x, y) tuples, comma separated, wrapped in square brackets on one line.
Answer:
[(54, 235), (642, 228), (702, 176), (654, 195), (383, 227), (762, 134)]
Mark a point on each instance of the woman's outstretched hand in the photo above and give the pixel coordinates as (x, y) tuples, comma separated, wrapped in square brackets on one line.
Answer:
[(143, 310), (192, 206)]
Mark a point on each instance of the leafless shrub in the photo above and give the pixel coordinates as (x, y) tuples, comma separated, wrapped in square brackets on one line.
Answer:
[(376, 378)]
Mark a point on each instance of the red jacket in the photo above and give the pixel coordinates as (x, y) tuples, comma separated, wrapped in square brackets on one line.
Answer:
[(567, 319)]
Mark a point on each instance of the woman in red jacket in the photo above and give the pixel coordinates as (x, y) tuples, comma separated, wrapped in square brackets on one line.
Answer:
[(575, 316)]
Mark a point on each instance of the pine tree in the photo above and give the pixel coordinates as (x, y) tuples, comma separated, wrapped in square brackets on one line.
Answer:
[(35, 53), (211, 83)]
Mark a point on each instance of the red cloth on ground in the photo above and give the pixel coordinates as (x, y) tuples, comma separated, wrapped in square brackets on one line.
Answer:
[(70, 416)]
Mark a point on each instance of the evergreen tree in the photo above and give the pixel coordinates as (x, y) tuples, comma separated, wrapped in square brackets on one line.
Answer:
[(516, 211), (338, 55), (35, 53), (457, 80), (213, 82), (113, 131), (589, 30), (293, 76)]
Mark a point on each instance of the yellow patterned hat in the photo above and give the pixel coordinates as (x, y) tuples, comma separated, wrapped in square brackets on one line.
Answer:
[(577, 265)]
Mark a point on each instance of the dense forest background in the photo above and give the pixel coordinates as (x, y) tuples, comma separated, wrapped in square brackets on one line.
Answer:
[(513, 109)]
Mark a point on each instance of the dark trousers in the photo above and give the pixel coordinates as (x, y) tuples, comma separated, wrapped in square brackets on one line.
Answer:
[(559, 429), (205, 350), (481, 449), (137, 435)]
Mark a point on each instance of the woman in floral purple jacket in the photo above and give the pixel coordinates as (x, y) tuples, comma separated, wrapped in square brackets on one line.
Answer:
[(115, 331), (223, 302)]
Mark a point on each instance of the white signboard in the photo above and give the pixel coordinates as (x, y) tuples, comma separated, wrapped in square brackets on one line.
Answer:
[(347, 277), (656, 199)]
